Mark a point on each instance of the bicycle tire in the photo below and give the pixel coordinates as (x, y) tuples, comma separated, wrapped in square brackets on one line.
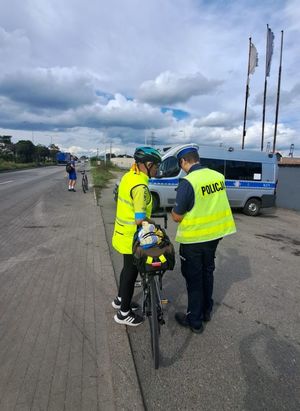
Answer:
[(82, 184), (154, 324), (86, 183)]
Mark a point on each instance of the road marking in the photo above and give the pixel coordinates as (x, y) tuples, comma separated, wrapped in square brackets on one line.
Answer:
[(6, 182)]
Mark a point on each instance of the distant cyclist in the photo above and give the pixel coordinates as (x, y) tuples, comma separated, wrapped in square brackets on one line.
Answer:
[(72, 174), (133, 207)]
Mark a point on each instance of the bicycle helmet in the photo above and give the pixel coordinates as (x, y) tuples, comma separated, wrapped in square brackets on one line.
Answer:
[(144, 154), (147, 154)]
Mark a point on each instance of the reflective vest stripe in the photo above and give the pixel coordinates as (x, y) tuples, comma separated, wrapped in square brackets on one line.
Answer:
[(206, 231), (120, 221), (123, 200), (205, 220)]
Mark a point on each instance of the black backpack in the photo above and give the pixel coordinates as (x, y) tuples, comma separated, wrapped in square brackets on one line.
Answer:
[(157, 258), (69, 168)]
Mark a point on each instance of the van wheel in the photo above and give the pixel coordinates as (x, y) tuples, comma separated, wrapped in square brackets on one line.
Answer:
[(252, 207), (155, 202)]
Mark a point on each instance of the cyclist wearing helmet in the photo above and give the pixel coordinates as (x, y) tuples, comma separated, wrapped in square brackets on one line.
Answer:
[(133, 207)]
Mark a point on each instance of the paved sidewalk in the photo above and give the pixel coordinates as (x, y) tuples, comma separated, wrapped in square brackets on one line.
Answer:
[(59, 346)]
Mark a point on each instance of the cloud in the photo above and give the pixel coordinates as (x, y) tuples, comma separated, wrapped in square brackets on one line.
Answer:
[(117, 112), (56, 88), (68, 71), (15, 49), (218, 119), (171, 88)]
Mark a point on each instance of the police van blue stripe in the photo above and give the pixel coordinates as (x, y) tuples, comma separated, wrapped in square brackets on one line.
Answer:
[(228, 183), (164, 181), (250, 184)]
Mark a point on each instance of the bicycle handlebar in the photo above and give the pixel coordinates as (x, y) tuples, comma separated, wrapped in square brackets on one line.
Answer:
[(161, 214)]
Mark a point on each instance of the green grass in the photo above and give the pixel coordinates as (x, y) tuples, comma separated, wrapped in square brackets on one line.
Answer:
[(101, 175), (11, 165)]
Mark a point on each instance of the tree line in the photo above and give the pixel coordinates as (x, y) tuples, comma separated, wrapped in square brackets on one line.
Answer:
[(24, 151)]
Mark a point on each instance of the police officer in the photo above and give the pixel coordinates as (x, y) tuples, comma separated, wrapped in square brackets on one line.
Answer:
[(134, 206), (204, 216)]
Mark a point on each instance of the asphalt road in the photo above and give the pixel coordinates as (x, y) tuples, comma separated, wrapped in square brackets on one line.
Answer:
[(248, 357), (19, 190)]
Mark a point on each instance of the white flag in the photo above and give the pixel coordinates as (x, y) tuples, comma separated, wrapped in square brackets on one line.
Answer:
[(253, 60), (269, 53)]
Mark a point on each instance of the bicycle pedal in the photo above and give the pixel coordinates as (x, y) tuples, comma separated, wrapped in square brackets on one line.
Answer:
[(138, 283), (164, 301)]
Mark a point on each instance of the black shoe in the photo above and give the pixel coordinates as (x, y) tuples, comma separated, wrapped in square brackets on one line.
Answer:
[(131, 319), (116, 303), (181, 318), (73, 189), (207, 316)]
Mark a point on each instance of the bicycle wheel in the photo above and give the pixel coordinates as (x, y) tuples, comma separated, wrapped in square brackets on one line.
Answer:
[(86, 183), (154, 324), (83, 184)]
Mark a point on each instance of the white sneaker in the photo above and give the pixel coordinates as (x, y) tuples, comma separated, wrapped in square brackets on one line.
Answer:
[(131, 319)]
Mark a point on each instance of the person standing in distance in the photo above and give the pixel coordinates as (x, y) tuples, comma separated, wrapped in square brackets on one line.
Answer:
[(134, 206), (72, 175), (204, 216)]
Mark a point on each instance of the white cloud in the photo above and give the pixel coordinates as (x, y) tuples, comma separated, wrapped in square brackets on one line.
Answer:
[(15, 49), (217, 119), (57, 88), (171, 88)]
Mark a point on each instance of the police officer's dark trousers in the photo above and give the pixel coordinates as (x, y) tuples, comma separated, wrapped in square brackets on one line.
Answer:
[(197, 267)]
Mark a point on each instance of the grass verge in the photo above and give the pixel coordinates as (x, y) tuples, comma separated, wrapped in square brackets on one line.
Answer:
[(10, 165), (101, 174)]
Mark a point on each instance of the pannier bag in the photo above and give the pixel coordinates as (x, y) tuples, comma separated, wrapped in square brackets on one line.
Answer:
[(152, 249)]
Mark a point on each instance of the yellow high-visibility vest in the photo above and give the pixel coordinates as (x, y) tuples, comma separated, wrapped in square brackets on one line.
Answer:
[(211, 217), (125, 225)]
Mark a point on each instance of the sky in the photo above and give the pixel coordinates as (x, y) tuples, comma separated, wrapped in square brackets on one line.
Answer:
[(111, 75)]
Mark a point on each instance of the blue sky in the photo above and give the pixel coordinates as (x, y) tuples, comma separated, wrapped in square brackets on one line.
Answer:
[(87, 76)]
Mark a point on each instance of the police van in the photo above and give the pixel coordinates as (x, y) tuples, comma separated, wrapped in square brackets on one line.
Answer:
[(250, 176)]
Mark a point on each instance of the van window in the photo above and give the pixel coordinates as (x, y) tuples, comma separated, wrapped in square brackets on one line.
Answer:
[(243, 170), (214, 164), (169, 167)]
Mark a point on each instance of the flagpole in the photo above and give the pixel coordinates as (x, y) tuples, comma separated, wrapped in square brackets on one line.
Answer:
[(246, 97), (278, 93), (265, 94)]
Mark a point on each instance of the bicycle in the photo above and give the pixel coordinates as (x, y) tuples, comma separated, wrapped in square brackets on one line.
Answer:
[(84, 181), (152, 264)]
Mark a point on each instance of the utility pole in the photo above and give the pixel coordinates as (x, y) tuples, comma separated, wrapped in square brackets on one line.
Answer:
[(152, 139)]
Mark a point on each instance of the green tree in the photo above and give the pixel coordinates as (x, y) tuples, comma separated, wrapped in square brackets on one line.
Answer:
[(7, 148), (25, 151), (53, 151), (42, 152)]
